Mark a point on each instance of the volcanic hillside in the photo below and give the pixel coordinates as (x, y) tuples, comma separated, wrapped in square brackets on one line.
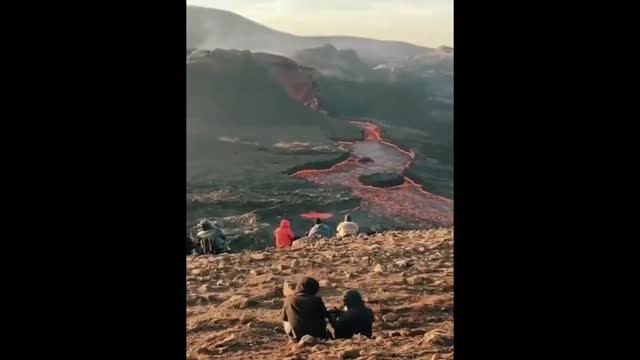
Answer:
[(244, 106), (235, 300)]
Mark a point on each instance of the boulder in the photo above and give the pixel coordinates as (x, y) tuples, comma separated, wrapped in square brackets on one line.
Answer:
[(244, 318), (237, 302), (438, 337), (350, 354), (204, 288), (390, 317), (226, 341), (247, 303), (259, 256)]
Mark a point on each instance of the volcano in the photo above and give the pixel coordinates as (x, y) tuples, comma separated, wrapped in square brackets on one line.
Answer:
[(271, 138)]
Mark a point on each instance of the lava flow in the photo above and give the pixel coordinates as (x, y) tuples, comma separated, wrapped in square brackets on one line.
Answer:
[(374, 155)]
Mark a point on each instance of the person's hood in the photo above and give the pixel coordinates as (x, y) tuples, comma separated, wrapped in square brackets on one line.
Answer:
[(308, 286), (208, 225), (352, 298), (285, 224)]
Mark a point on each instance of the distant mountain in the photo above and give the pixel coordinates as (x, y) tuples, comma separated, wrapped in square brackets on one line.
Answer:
[(212, 28)]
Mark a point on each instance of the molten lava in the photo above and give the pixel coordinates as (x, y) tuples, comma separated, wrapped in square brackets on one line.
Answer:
[(297, 81), (408, 201)]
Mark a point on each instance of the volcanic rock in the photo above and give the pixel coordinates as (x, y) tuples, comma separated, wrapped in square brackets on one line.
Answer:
[(390, 317)]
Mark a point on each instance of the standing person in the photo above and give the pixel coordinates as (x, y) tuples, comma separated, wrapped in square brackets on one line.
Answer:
[(304, 313), (319, 229), (347, 227), (356, 319), (283, 234)]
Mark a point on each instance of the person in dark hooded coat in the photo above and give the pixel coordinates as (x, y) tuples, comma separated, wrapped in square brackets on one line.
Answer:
[(304, 313), (356, 319)]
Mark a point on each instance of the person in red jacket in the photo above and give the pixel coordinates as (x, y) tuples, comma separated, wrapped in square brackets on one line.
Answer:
[(284, 235)]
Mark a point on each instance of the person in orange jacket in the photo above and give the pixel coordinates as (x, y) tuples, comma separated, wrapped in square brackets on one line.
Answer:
[(283, 234)]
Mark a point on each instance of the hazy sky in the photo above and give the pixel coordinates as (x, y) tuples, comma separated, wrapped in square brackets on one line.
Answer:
[(421, 22)]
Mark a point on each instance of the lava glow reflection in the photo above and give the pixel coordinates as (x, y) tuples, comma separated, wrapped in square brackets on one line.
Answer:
[(316, 215), (408, 201)]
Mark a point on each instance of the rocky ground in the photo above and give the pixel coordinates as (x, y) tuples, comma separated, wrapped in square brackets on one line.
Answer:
[(234, 301)]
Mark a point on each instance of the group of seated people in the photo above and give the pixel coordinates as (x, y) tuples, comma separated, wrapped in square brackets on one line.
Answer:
[(304, 313), (210, 239), (285, 237)]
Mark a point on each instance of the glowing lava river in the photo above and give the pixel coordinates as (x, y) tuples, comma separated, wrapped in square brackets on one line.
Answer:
[(374, 155)]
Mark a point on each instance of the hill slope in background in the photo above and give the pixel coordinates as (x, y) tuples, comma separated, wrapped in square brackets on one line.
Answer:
[(251, 118), (212, 28), (239, 101), (343, 64), (406, 278)]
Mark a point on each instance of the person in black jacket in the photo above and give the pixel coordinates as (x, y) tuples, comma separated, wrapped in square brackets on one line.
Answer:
[(357, 319), (304, 313)]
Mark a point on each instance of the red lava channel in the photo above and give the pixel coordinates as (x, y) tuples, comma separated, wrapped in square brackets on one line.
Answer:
[(407, 201)]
